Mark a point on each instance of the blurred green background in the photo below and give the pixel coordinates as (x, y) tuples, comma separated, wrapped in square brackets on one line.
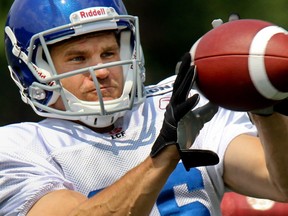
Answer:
[(168, 29)]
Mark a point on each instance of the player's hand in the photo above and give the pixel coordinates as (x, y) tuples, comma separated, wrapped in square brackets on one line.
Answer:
[(191, 124), (217, 22), (177, 108), (188, 129)]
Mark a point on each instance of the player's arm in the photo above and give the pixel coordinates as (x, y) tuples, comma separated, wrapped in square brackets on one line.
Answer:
[(259, 166), (135, 193)]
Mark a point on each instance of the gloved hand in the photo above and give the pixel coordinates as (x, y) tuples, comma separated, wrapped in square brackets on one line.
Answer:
[(177, 108), (217, 22), (188, 129)]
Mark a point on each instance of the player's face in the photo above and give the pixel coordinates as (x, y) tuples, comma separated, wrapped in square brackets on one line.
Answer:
[(88, 51)]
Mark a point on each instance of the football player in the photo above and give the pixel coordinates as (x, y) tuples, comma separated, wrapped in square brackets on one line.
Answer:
[(111, 146)]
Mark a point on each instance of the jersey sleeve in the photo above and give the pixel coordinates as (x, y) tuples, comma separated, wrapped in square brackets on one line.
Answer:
[(217, 135), (25, 177)]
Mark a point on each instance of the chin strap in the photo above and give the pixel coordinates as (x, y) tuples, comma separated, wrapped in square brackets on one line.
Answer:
[(16, 50)]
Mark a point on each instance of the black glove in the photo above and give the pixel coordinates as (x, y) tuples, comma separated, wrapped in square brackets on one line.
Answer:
[(188, 129), (177, 108)]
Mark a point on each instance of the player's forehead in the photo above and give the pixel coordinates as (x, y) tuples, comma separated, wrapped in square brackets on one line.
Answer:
[(109, 34)]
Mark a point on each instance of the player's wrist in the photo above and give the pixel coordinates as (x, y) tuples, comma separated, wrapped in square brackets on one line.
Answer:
[(263, 112), (168, 157), (281, 108)]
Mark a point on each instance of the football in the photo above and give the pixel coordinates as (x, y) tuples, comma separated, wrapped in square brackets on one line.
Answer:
[(242, 65)]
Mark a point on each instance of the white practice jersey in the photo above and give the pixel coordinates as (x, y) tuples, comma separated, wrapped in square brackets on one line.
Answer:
[(37, 158)]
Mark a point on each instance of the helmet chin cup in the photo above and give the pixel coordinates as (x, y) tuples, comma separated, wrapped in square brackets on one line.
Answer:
[(101, 121)]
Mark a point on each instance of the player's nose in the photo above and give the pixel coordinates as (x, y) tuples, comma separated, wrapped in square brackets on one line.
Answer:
[(102, 73)]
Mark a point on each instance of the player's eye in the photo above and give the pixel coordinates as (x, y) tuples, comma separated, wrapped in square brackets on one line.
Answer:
[(109, 54), (78, 59)]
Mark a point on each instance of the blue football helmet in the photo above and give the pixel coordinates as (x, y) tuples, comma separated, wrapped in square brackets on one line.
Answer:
[(33, 25)]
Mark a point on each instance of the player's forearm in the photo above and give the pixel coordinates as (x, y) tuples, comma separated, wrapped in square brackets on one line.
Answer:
[(136, 192), (273, 133)]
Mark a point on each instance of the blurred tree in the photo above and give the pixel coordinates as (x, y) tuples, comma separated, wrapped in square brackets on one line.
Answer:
[(168, 29)]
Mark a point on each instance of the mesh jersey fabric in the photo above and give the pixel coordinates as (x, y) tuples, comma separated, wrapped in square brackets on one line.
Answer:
[(37, 158)]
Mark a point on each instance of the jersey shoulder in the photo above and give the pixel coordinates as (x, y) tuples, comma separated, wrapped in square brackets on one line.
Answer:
[(163, 87)]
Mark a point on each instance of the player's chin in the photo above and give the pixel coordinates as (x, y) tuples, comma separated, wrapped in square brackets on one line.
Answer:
[(104, 98), (108, 98)]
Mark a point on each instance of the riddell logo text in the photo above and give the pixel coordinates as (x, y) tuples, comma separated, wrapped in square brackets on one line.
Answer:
[(92, 13), (42, 75)]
